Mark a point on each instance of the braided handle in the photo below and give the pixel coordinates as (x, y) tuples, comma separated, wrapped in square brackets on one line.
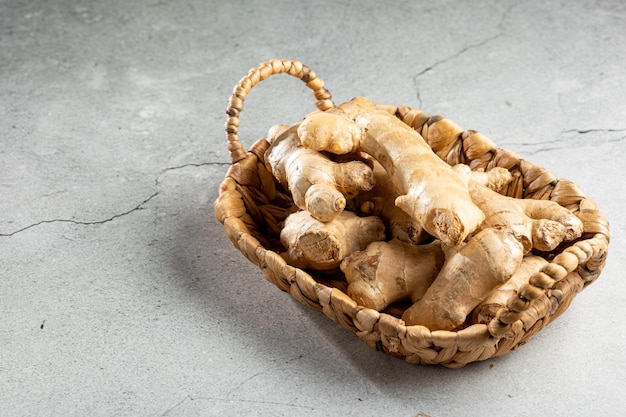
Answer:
[(255, 75)]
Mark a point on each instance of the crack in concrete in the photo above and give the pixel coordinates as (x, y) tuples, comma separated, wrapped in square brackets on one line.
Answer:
[(190, 164), (416, 81), (457, 54), (230, 393), (139, 206), (80, 222), (241, 400), (172, 408), (584, 131), (563, 143)]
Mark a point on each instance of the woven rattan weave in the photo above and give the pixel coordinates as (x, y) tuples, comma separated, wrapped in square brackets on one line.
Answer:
[(251, 206)]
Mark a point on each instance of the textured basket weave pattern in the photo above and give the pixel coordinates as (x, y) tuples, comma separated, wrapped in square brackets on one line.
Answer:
[(251, 206)]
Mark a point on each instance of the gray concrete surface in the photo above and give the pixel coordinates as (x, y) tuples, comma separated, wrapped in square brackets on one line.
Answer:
[(120, 294)]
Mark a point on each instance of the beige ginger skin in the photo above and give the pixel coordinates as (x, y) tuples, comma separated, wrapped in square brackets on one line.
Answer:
[(322, 246), (492, 256), (468, 275), (387, 272), (316, 183), (537, 224), (380, 201)]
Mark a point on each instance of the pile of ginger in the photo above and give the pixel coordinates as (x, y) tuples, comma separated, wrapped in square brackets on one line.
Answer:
[(378, 205)]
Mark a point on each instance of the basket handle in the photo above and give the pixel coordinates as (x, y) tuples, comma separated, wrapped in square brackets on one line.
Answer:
[(323, 99)]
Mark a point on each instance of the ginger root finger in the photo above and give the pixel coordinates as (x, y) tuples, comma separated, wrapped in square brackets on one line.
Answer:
[(341, 131), (380, 201), (495, 179), (468, 275), (386, 272), (316, 183), (538, 224), (275, 131), (486, 310), (549, 210), (322, 246), (334, 130)]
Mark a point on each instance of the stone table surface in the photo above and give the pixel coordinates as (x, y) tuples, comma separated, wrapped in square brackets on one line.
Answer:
[(120, 294)]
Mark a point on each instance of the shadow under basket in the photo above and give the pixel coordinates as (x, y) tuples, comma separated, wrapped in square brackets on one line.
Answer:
[(252, 207)]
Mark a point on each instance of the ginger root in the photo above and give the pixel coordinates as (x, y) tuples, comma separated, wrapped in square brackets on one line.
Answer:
[(387, 272), (468, 275), (316, 183), (322, 246), (537, 224), (431, 192)]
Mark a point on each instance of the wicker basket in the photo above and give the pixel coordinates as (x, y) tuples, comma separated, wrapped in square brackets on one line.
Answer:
[(251, 206)]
